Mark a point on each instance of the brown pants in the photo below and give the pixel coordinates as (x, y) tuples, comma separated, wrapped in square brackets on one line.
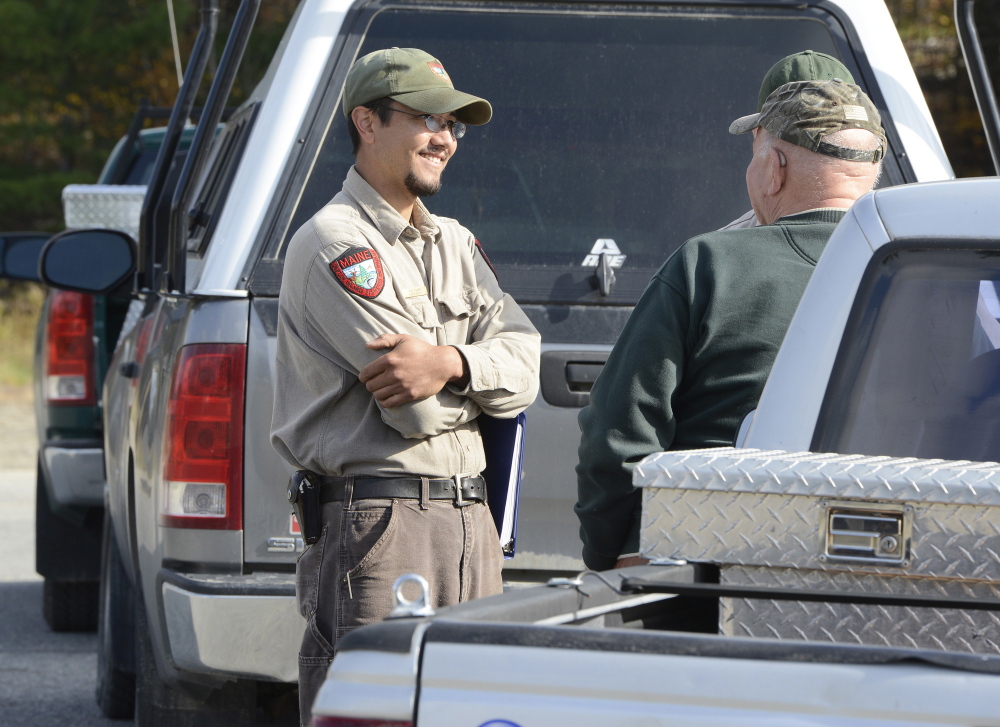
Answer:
[(344, 580)]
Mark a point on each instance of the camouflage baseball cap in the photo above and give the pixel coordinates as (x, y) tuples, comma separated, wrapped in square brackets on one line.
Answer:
[(413, 78), (803, 112), (807, 65)]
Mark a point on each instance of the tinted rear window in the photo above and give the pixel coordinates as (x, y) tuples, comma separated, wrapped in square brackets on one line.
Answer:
[(607, 127), (919, 374)]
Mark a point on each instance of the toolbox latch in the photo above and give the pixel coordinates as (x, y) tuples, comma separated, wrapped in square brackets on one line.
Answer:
[(875, 534)]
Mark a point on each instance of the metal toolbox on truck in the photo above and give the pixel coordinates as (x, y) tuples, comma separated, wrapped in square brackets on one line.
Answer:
[(838, 523), (111, 206)]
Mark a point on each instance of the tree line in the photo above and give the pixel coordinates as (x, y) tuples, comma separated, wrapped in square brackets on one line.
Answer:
[(74, 73)]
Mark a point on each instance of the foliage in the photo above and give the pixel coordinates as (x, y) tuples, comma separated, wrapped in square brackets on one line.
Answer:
[(927, 28), (34, 203), (19, 306), (74, 73)]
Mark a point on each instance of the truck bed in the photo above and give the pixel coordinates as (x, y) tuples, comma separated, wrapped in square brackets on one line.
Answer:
[(586, 653)]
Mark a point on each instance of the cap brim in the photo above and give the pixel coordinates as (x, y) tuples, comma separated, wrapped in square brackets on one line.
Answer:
[(744, 124), (467, 108)]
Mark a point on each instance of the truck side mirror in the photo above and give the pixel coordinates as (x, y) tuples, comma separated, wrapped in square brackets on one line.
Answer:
[(88, 261), (19, 253)]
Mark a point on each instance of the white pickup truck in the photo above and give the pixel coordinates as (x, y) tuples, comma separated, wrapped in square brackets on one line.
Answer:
[(789, 584)]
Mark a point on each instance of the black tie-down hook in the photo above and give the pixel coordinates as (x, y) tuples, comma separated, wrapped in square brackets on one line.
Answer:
[(604, 276)]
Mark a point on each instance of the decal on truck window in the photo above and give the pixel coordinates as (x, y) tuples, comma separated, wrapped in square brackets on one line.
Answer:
[(601, 247)]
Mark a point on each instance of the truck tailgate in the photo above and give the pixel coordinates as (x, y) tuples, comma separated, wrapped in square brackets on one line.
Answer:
[(268, 534), (503, 676)]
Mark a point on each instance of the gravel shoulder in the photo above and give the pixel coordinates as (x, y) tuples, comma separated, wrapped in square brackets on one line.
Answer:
[(18, 439)]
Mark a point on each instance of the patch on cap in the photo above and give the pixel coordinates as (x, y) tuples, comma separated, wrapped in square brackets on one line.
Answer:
[(855, 113), (439, 69), (359, 270)]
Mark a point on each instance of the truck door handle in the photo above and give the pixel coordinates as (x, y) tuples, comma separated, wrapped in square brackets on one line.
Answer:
[(580, 377), (129, 369), (567, 376)]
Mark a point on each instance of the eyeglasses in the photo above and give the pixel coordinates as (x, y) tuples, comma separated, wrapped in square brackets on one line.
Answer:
[(433, 123)]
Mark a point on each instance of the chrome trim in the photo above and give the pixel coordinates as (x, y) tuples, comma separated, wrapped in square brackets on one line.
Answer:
[(253, 637), (75, 476)]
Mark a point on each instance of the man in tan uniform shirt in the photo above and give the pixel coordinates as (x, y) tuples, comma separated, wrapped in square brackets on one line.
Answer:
[(393, 336)]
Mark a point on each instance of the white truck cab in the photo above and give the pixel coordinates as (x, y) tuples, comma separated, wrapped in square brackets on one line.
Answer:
[(843, 346)]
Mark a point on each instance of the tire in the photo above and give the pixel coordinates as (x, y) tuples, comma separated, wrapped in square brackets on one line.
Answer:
[(70, 605), (67, 551), (158, 704), (115, 634)]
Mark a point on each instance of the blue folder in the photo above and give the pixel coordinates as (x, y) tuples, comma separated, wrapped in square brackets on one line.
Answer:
[(503, 442)]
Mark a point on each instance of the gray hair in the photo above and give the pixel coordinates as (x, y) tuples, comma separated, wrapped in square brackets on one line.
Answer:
[(857, 139)]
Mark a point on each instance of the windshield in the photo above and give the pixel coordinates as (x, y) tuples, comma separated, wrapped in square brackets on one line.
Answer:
[(610, 134)]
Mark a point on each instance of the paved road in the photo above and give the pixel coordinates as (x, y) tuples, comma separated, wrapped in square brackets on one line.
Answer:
[(45, 678)]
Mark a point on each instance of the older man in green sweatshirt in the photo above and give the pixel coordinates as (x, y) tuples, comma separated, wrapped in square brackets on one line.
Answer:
[(696, 351)]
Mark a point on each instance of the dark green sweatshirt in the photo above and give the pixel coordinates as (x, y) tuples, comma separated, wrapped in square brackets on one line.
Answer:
[(690, 363)]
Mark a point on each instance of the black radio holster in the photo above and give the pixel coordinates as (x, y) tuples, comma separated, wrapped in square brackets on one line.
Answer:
[(303, 494)]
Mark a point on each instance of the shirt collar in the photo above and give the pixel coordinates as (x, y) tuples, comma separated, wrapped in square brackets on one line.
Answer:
[(387, 220), (820, 214), (819, 209), (424, 223)]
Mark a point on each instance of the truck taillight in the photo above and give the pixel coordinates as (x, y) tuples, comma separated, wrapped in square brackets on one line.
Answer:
[(203, 448), (69, 360), (321, 721)]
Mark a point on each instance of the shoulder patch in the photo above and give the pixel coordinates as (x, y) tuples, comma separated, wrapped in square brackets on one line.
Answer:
[(359, 270), (486, 257)]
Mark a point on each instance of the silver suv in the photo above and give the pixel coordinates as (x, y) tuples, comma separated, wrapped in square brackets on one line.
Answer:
[(608, 149)]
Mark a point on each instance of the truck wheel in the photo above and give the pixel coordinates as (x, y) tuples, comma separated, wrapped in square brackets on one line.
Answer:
[(66, 555), (115, 634), (70, 605), (160, 704)]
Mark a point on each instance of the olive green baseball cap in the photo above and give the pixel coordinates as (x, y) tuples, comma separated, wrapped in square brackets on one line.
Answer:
[(415, 79), (803, 112), (807, 65)]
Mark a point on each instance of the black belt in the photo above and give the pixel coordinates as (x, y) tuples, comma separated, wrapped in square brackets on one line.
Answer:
[(469, 489)]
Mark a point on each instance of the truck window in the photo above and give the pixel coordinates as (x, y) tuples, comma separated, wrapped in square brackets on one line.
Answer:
[(918, 373), (226, 153), (609, 134)]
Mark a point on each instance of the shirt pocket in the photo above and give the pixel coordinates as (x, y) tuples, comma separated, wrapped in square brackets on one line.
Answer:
[(421, 311), (460, 305)]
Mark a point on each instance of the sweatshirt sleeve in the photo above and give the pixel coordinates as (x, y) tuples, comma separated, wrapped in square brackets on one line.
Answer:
[(630, 416)]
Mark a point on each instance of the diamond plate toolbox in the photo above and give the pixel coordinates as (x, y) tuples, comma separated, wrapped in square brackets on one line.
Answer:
[(833, 522), (112, 206)]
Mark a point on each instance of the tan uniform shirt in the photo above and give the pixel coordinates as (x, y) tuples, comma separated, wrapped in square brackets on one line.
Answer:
[(357, 270)]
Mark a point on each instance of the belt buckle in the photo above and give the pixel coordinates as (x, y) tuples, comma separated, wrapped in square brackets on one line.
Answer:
[(459, 500)]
